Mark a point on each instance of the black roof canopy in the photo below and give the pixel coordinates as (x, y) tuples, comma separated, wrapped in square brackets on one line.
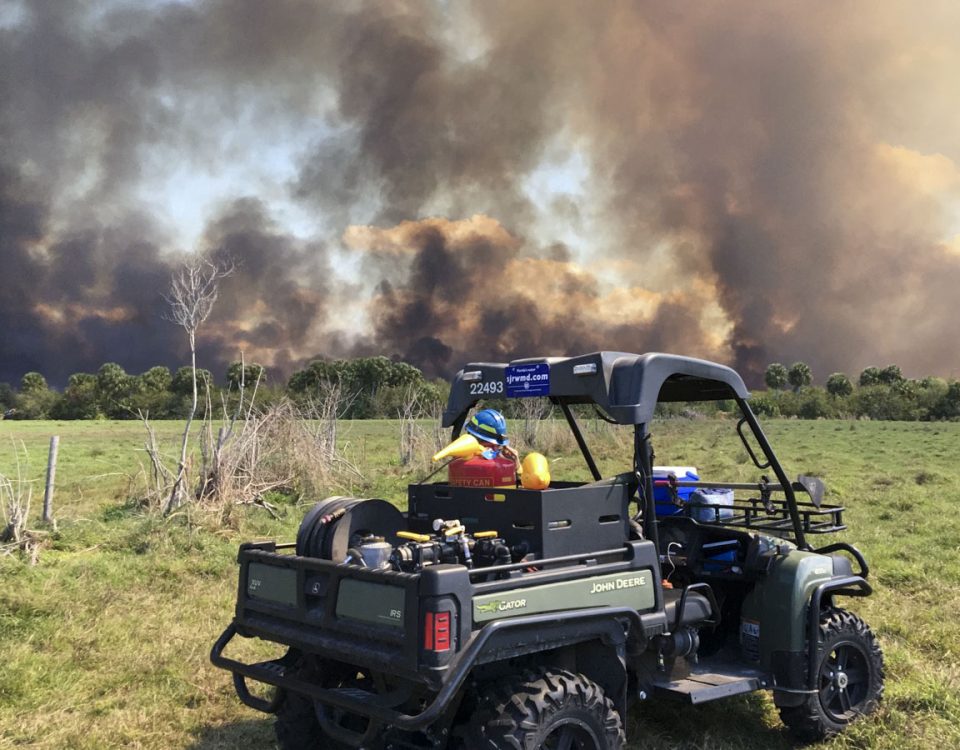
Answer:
[(626, 386)]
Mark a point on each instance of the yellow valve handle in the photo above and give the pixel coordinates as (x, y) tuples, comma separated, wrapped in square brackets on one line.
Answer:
[(413, 537), (465, 446), (453, 531), (485, 535)]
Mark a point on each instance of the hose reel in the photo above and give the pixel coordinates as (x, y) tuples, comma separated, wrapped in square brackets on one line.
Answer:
[(329, 527)]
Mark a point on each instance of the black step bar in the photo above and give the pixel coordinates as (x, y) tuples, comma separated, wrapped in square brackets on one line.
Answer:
[(702, 687)]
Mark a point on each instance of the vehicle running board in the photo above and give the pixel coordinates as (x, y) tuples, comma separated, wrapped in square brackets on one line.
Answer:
[(700, 687)]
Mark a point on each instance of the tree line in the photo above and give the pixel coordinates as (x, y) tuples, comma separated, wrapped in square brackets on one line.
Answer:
[(878, 393), (377, 387), (366, 388)]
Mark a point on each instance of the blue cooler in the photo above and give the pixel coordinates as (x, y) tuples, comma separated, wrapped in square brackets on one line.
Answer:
[(661, 494)]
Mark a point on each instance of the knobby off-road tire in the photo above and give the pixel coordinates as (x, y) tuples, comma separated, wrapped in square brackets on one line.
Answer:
[(297, 728), (296, 724), (849, 678), (551, 709)]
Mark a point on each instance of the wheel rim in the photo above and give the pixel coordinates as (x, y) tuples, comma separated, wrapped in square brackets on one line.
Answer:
[(570, 735), (844, 681)]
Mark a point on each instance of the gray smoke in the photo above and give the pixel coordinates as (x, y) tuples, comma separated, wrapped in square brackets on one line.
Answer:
[(757, 182)]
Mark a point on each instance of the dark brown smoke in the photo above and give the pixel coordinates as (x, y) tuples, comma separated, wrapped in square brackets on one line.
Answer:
[(474, 291), (279, 293), (756, 182), (78, 301)]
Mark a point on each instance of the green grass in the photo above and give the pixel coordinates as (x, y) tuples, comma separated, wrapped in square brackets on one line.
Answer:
[(105, 643)]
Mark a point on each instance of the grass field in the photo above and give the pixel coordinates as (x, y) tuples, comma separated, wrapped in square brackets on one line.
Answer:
[(105, 642)]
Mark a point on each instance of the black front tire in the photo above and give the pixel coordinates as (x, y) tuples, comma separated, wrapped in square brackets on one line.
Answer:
[(849, 667), (548, 709)]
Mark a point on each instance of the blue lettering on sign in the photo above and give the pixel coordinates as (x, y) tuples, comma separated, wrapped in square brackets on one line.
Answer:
[(528, 380)]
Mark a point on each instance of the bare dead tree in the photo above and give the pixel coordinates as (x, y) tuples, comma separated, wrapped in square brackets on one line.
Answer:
[(532, 411), (193, 292), (422, 433), (208, 447), (252, 461), (326, 409), (286, 448), (409, 411), (161, 477), (439, 435), (280, 448), (15, 497), (214, 450), (321, 418)]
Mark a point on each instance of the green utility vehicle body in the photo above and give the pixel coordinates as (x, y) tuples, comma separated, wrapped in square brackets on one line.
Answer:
[(400, 629), (634, 590), (779, 603)]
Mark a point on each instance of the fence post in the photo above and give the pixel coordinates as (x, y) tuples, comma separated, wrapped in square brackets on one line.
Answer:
[(51, 477)]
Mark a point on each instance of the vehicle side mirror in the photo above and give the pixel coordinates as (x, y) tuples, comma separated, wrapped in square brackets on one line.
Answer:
[(814, 487)]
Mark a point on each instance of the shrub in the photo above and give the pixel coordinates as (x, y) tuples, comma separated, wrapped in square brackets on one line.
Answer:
[(884, 402), (765, 405), (35, 404), (815, 404), (947, 406), (79, 400)]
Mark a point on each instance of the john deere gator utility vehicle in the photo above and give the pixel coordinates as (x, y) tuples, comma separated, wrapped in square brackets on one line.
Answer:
[(503, 617)]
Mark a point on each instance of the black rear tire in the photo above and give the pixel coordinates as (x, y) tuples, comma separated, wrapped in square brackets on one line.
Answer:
[(296, 724), (549, 709), (850, 678)]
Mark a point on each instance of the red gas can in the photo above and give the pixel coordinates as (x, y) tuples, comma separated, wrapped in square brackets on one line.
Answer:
[(483, 472)]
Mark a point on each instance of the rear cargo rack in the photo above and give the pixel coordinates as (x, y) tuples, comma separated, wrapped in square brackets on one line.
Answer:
[(762, 513)]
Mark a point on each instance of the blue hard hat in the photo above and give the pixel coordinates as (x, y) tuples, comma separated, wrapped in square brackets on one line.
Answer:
[(488, 425)]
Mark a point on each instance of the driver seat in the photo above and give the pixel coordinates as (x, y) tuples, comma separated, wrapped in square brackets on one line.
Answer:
[(696, 609)]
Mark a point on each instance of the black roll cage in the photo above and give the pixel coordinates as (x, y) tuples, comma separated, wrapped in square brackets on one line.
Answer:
[(703, 387)]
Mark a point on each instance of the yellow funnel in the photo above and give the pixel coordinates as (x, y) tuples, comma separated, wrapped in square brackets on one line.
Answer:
[(536, 472), (465, 446)]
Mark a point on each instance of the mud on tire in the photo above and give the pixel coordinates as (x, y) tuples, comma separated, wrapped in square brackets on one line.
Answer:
[(546, 709), (849, 667)]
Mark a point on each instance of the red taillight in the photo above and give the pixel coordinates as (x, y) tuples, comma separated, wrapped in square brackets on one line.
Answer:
[(441, 631), (436, 631)]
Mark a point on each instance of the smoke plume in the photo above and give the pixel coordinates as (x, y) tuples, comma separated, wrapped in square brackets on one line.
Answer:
[(440, 182)]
